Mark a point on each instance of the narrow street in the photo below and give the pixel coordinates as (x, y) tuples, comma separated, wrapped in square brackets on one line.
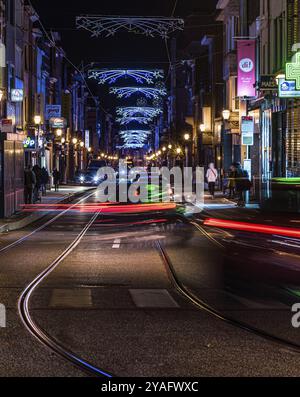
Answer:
[(149, 196), (112, 301)]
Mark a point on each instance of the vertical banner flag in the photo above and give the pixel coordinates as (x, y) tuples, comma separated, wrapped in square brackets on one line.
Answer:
[(246, 54)]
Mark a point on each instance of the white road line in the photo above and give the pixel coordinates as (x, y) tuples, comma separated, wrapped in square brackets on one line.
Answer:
[(117, 243)]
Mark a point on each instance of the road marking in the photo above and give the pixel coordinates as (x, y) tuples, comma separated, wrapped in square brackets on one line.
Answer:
[(117, 243), (153, 298)]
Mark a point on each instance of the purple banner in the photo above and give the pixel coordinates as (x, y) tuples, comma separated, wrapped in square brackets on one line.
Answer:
[(246, 55)]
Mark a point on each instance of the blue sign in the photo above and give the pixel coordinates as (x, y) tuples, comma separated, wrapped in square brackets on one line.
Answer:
[(287, 89), (29, 143)]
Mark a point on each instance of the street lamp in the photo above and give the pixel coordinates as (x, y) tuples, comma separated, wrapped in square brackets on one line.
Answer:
[(59, 132), (226, 115), (170, 147), (63, 140), (186, 138), (178, 150), (81, 144), (37, 120), (164, 149), (202, 127), (74, 141)]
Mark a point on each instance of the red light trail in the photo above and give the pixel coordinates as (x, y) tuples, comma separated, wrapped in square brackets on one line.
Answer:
[(253, 227)]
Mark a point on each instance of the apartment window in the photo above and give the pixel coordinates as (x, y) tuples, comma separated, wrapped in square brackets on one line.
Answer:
[(232, 30)]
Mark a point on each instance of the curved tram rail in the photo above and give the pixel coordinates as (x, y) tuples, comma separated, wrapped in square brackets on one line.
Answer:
[(202, 305), (40, 334), (44, 225)]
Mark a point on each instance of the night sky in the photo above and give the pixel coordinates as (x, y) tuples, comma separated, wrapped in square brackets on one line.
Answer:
[(124, 49)]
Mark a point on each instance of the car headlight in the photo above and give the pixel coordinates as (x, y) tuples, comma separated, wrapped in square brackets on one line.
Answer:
[(82, 178), (96, 179)]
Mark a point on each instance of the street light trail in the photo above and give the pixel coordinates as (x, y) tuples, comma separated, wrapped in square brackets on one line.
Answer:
[(19, 241)]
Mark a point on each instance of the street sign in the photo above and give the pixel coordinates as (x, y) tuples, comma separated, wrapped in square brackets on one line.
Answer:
[(248, 167), (87, 139), (17, 95), (287, 89), (52, 111), (58, 122), (247, 130), (7, 125)]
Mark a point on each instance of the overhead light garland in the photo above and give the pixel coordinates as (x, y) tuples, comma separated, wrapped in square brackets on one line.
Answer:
[(106, 25), (146, 111), (131, 146), (112, 75), (135, 133), (135, 137), (127, 92), (128, 120)]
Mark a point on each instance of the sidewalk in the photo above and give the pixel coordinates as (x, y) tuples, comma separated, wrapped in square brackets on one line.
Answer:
[(22, 219), (223, 208)]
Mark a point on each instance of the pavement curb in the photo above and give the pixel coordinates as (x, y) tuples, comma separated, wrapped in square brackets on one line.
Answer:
[(28, 220)]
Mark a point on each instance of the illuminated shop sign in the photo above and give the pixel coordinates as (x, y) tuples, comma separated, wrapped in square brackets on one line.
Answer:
[(287, 89), (17, 95), (293, 71), (246, 50), (58, 122), (29, 143)]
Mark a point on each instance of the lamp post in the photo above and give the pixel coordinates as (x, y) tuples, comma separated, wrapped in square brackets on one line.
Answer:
[(187, 138), (37, 121)]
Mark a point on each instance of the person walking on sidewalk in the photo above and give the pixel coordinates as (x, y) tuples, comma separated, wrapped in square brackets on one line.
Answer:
[(232, 182), (44, 180), (56, 179), (243, 184), (29, 184), (212, 177), (38, 175)]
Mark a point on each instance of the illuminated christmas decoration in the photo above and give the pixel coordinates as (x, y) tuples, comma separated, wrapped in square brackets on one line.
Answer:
[(134, 138), (131, 146), (104, 25), (127, 92), (141, 134), (149, 112), (110, 76), (128, 120)]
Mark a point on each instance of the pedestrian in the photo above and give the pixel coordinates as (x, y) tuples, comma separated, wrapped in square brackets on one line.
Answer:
[(212, 177), (56, 179), (232, 182), (243, 184), (44, 180), (36, 192), (29, 184)]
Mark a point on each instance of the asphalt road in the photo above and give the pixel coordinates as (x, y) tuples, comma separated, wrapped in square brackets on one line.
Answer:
[(112, 301)]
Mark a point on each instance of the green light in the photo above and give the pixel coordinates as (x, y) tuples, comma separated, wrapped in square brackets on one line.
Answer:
[(287, 181), (293, 70)]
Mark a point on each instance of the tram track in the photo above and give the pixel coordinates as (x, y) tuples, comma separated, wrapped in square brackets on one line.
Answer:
[(44, 225), (24, 311), (204, 306)]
